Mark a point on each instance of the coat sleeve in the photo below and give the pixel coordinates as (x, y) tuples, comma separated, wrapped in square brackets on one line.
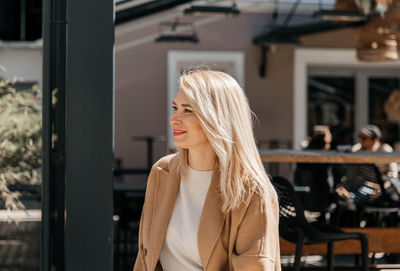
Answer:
[(257, 241)]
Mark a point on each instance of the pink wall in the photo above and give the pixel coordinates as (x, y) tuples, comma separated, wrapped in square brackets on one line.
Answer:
[(141, 84)]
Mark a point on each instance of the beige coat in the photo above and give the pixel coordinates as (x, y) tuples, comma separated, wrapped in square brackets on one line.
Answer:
[(245, 239)]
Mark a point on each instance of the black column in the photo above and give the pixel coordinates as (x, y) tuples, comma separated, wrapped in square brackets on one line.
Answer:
[(78, 99), (54, 89)]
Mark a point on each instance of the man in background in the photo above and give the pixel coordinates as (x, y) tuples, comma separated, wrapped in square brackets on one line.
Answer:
[(369, 140)]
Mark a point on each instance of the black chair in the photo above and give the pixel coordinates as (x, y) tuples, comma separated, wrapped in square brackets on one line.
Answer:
[(361, 189), (318, 197), (294, 227)]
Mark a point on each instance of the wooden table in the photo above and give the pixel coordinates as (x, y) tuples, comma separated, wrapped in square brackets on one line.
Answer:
[(328, 157)]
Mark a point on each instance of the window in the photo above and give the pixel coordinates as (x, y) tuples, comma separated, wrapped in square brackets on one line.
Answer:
[(322, 70), (384, 105), (20, 158), (331, 102)]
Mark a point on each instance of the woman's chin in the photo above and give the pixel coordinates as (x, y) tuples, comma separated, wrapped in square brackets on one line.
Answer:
[(178, 145)]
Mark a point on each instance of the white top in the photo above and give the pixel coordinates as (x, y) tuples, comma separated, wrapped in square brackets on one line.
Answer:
[(179, 251)]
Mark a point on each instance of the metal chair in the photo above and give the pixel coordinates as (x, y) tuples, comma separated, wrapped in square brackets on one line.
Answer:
[(362, 189), (294, 227)]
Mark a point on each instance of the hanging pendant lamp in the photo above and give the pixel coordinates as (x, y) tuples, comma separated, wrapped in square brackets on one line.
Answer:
[(343, 11), (365, 6), (354, 10), (379, 39)]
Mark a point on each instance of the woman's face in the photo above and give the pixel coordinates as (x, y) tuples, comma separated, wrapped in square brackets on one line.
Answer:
[(188, 133)]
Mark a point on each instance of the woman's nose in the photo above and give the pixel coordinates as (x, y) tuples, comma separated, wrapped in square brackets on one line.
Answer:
[(175, 119)]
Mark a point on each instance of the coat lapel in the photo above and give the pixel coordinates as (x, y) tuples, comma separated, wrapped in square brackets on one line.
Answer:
[(168, 185), (211, 221)]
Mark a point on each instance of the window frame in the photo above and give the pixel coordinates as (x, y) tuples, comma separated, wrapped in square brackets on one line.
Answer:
[(340, 62)]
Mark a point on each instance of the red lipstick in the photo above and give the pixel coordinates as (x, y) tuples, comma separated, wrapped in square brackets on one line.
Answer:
[(178, 132)]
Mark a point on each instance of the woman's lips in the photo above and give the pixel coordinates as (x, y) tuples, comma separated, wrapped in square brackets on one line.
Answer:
[(178, 132)]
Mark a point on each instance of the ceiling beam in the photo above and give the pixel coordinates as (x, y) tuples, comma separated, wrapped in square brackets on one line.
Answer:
[(146, 9), (285, 33)]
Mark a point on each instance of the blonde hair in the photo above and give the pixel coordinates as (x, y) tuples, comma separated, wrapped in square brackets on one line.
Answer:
[(224, 113)]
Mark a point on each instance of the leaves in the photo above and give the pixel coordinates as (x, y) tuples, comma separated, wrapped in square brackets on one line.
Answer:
[(20, 140)]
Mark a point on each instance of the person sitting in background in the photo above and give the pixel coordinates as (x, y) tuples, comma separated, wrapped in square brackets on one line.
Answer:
[(369, 138), (368, 185), (321, 138), (315, 176)]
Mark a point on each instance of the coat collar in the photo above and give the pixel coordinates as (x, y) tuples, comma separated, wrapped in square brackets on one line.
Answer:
[(167, 185), (211, 220)]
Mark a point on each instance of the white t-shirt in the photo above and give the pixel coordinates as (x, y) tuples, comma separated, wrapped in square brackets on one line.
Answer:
[(179, 251)]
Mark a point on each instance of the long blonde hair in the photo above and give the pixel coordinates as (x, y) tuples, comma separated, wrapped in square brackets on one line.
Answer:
[(224, 113)]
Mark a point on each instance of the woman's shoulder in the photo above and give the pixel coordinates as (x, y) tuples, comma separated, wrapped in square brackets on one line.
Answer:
[(162, 166), (256, 200), (165, 162)]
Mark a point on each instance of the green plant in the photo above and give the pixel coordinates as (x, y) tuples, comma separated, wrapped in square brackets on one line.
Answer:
[(20, 140)]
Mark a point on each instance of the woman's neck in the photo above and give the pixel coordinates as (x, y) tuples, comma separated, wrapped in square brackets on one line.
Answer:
[(202, 158)]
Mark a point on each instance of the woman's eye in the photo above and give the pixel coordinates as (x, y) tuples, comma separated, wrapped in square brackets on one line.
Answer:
[(188, 111), (174, 108)]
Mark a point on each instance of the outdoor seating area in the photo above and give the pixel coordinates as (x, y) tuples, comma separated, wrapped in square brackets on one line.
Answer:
[(96, 95), (357, 235)]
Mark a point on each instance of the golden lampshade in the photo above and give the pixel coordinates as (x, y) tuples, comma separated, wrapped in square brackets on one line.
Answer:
[(379, 39)]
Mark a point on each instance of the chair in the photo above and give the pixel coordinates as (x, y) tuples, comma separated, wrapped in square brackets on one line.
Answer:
[(294, 227), (318, 197), (362, 189)]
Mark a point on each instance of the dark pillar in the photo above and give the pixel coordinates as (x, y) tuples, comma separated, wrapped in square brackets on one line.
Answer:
[(78, 99)]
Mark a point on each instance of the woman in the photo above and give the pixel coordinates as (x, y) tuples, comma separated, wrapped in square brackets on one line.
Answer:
[(210, 206)]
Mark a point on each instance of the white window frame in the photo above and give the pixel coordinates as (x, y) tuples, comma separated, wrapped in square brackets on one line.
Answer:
[(304, 58), (210, 58)]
